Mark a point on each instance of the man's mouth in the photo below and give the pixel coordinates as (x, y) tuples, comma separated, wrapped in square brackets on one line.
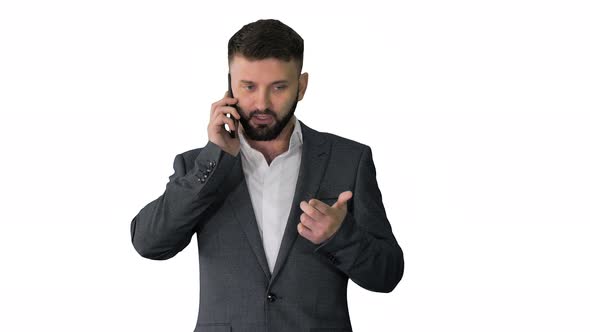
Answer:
[(266, 118)]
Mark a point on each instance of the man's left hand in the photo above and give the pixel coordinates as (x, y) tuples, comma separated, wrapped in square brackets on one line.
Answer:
[(319, 221)]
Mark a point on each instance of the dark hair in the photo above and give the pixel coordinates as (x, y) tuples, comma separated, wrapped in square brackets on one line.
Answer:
[(265, 39)]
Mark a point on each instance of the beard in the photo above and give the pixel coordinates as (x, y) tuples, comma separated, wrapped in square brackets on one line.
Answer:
[(265, 132)]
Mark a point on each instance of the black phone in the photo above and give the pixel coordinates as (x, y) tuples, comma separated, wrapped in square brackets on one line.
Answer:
[(232, 134)]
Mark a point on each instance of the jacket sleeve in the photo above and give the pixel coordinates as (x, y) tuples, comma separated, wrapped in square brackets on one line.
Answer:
[(364, 247), (165, 226)]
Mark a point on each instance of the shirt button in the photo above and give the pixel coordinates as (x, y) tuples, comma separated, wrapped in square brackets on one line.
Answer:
[(271, 297)]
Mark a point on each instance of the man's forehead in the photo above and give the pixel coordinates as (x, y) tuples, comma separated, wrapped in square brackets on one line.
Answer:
[(240, 65)]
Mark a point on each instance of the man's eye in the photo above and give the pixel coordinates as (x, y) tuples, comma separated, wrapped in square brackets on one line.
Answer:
[(281, 87), (248, 87)]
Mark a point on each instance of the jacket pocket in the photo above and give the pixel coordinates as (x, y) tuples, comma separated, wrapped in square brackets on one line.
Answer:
[(213, 327)]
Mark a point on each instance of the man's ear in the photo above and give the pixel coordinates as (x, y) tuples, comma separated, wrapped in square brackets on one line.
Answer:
[(303, 79)]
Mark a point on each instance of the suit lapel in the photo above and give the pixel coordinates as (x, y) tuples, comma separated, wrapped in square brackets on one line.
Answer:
[(314, 160), (244, 213)]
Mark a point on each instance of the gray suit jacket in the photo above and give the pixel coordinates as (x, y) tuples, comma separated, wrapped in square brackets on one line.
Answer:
[(207, 195)]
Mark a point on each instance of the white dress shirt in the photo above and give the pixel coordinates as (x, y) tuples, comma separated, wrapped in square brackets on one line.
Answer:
[(272, 188)]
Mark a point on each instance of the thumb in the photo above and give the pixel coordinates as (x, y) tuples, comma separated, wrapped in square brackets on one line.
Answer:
[(342, 199)]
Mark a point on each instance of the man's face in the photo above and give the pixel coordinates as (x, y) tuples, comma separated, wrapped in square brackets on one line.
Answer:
[(267, 93)]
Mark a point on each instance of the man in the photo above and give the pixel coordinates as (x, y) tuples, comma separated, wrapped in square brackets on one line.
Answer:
[(284, 215)]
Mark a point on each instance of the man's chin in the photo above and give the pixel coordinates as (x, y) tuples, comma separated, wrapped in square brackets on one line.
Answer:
[(259, 132), (259, 135), (266, 131)]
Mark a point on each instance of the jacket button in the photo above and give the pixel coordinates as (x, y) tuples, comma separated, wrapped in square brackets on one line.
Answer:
[(332, 258), (271, 297)]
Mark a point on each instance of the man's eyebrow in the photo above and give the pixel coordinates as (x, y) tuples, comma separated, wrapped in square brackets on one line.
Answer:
[(275, 82)]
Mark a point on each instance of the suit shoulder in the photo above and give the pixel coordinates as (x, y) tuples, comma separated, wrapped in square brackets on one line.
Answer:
[(339, 142)]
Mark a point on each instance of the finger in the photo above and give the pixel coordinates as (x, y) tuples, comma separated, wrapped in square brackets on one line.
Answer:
[(227, 110), (319, 205), (311, 211), (342, 199), (307, 221), (304, 231), (223, 102), (226, 96), (230, 110), (221, 119)]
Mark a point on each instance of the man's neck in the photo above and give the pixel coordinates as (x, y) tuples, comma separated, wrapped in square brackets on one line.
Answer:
[(271, 149)]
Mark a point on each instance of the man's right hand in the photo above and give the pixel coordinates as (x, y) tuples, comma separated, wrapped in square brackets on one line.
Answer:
[(216, 128)]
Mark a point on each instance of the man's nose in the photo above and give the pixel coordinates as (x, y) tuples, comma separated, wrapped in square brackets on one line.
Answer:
[(263, 100)]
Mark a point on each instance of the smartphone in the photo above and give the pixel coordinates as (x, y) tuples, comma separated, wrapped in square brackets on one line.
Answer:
[(232, 134)]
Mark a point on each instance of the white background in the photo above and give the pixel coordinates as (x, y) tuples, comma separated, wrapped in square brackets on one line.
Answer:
[(478, 114)]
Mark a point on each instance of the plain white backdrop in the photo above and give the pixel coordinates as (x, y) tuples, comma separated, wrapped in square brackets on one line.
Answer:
[(478, 114)]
